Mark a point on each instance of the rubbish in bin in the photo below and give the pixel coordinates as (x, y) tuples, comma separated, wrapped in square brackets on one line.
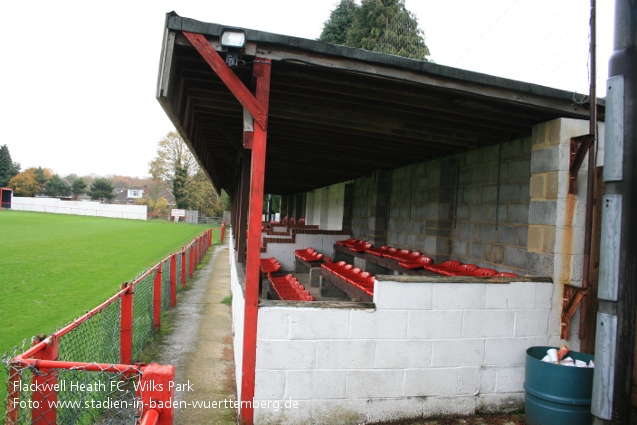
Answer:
[(563, 351), (557, 357)]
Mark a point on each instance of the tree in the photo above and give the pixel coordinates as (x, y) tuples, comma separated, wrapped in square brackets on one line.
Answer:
[(101, 189), (56, 187), (78, 187), (42, 175), (336, 28), (25, 183), (8, 168), (175, 165), (381, 25)]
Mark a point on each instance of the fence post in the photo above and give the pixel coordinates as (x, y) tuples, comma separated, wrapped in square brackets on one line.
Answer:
[(126, 325), (157, 298), (158, 390), (191, 266), (184, 266), (223, 231), (13, 398), (173, 280), (42, 414)]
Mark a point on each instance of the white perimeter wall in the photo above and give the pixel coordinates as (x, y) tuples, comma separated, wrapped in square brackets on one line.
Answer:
[(95, 209), (238, 307), (427, 349)]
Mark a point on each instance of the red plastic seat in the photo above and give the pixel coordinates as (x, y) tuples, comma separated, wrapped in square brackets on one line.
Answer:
[(377, 251), (417, 263), (360, 246), (397, 255), (302, 220), (462, 270), (308, 254), (270, 265), (484, 272), (347, 242), (445, 265)]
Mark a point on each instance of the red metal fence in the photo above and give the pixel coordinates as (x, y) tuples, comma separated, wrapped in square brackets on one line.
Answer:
[(90, 371)]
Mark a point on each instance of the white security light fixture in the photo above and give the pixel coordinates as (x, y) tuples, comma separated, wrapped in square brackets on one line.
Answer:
[(233, 40)]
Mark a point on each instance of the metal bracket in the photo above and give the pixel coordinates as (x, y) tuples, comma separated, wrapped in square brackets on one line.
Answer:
[(571, 299), (579, 148)]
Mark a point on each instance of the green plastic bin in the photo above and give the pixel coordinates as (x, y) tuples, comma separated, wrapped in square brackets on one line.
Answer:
[(557, 394)]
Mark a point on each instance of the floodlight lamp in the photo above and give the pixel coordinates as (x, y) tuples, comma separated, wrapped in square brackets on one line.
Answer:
[(233, 38)]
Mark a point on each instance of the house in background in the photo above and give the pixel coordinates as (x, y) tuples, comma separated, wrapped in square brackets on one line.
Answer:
[(132, 194)]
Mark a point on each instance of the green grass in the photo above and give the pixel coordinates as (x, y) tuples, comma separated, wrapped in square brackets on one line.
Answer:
[(53, 268)]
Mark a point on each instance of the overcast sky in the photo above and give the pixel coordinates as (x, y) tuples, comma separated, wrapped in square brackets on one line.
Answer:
[(78, 77)]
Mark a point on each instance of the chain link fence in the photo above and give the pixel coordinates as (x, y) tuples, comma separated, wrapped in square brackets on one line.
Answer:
[(109, 339)]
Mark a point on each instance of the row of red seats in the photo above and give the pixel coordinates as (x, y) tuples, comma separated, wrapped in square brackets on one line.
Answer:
[(406, 258), (456, 268), (353, 275), (270, 265), (288, 288), (308, 254), (415, 260)]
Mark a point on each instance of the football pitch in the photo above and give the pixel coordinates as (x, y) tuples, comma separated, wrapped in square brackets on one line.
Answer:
[(54, 268)]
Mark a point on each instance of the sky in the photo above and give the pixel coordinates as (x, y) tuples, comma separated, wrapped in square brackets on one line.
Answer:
[(78, 78)]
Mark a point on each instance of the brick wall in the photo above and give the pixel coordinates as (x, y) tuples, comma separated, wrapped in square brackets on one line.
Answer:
[(426, 349)]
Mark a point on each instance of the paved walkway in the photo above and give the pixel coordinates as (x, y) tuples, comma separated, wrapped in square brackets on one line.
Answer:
[(199, 345)]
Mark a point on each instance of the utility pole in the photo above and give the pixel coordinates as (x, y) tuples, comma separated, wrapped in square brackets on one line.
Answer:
[(615, 334)]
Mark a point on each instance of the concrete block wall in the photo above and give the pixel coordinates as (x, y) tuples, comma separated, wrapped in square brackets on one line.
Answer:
[(491, 219), (360, 211), (426, 349), (284, 252)]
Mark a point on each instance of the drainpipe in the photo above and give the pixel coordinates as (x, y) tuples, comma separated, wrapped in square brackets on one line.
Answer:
[(590, 185), (615, 334)]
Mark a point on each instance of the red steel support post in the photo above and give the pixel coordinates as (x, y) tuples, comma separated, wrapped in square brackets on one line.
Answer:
[(46, 381), (126, 325), (157, 299), (184, 267), (223, 231), (157, 389), (253, 275), (173, 280), (257, 106)]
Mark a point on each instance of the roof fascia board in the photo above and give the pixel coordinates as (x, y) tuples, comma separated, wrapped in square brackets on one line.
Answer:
[(288, 45)]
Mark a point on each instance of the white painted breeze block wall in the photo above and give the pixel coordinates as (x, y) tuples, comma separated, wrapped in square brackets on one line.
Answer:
[(238, 308), (284, 252), (427, 349), (94, 209)]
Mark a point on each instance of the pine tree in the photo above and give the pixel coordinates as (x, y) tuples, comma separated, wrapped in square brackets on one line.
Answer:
[(8, 168), (101, 189), (335, 29), (384, 26)]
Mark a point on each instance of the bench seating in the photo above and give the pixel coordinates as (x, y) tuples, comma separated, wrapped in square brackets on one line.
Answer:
[(356, 283), (308, 255), (288, 288)]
